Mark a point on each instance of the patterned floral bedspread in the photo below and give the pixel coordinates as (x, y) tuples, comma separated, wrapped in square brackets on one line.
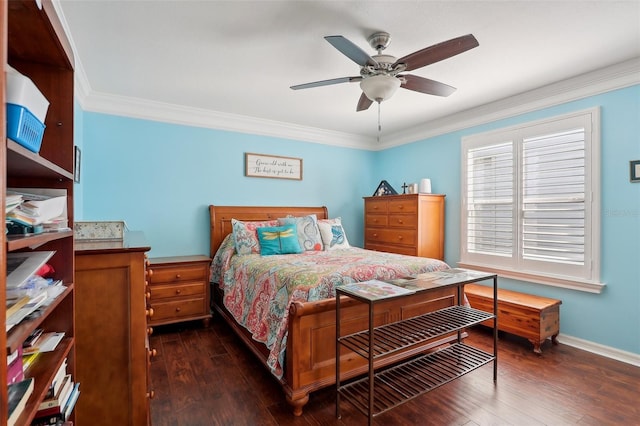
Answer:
[(258, 290)]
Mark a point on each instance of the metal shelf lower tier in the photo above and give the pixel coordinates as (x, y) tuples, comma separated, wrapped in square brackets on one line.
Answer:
[(400, 383), (395, 336)]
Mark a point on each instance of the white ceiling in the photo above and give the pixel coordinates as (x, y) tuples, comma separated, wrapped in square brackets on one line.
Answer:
[(237, 59)]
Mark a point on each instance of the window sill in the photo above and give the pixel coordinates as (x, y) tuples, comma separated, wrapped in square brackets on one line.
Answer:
[(572, 284)]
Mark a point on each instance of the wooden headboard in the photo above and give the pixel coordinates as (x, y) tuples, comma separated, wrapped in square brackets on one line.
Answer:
[(220, 218)]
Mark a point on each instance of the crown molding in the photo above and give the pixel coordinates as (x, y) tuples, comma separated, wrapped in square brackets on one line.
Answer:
[(603, 80), (618, 76), (177, 114)]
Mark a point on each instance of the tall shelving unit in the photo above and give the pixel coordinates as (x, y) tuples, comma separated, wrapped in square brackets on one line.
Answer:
[(33, 42)]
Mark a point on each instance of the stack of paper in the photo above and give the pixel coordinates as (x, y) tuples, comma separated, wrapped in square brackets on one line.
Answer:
[(35, 211), (12, 201)]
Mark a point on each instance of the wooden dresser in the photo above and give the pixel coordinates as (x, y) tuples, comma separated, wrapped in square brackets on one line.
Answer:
[(112, 345), (179, 289), (411, 224)]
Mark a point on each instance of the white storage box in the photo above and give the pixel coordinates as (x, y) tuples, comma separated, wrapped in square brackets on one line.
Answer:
[(21, 91)]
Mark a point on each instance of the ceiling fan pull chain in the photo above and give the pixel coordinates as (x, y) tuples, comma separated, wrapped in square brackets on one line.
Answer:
[(379, 125)]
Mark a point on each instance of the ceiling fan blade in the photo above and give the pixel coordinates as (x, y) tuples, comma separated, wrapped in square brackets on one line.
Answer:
[(438, 52), (424, 85), (327, 82), (351, 51), (363, 103)]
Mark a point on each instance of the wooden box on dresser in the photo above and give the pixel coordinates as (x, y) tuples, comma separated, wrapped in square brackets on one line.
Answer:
[(112, 350), (33, 43), (411, 224), (179, 289)]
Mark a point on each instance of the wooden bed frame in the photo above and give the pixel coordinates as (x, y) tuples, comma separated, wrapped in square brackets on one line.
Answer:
[(310, 353)]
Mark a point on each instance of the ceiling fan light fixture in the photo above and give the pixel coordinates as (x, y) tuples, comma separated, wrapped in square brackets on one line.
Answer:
[(379, 87)]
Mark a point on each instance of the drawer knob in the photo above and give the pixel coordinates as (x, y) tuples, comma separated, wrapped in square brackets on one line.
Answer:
[(147, 295), (153, 353), (400, 237), (149, 272), (178, 276), (149, 331), (151, 394), (375, 235), (400, 221), (149, 312), (178, 291), (178, 309)]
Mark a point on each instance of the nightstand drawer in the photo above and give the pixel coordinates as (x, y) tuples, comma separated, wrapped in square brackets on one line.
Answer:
[(179, 309), (168, 291), (173, 273)]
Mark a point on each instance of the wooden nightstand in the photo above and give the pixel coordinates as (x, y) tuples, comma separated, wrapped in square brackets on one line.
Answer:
[(179, 289)]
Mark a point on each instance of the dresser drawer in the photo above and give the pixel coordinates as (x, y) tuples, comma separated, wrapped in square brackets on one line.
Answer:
[(376, 220), (172, 274), (403, 206), (403, 221), (171, 311), (409, 251), (392, 236), (172, 291), (379, 206)]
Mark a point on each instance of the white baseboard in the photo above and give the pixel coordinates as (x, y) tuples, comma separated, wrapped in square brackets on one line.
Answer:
[(596, 348)]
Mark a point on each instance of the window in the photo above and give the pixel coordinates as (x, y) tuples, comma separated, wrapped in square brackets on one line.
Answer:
[(531, 201)]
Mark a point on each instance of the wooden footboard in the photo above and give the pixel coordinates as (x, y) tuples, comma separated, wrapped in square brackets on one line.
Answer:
[(310, 355)]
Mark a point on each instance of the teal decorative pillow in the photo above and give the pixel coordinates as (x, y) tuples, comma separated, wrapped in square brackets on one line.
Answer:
[(278, 240), (308, 232), (332, 233), (245, 237)]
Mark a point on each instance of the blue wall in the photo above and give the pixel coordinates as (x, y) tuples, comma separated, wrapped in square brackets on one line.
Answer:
[(161, 177)]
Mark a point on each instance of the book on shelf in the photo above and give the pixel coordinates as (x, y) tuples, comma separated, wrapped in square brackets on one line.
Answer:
[(15, 370), (17, 396), (375, 289), (45, 343), (54, 387), (14, 305), (29, 360), (56, 404), (63, 413), (34, 303)]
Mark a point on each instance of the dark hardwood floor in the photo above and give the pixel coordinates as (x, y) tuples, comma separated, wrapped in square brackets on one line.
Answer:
[(205, 376)]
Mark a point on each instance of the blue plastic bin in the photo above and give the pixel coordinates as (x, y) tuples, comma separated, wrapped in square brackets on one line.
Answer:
[(24, 128)]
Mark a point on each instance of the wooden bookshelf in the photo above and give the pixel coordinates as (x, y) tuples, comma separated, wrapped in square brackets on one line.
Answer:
[(32, 41)]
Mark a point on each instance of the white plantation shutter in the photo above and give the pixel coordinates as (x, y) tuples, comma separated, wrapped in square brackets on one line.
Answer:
[(530, 200), (553, 197), (490, 198)]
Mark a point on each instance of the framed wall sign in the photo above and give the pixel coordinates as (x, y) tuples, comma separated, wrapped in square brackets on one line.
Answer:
[(272, 166)]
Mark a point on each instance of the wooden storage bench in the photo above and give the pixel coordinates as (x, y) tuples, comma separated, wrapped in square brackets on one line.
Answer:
[(533, 317)]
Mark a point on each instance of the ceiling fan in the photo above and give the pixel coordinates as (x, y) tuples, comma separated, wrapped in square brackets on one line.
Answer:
[(380, 75)]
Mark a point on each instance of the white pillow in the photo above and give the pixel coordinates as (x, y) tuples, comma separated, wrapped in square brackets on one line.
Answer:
[(333, 234)]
